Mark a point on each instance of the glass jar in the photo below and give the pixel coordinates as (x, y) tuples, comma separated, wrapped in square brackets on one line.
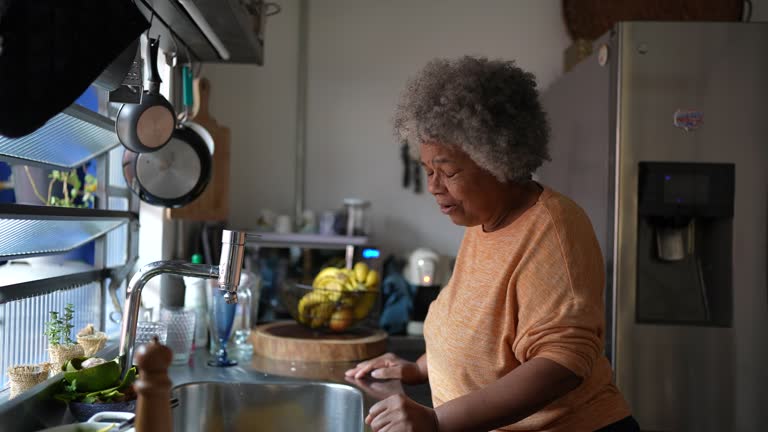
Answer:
[(247, 313), (358, 221)]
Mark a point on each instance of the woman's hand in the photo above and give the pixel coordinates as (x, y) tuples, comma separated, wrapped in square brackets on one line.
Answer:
[(378, 390), (398, 413), (389, 366)]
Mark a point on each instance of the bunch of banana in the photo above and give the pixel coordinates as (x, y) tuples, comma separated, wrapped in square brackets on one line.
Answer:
[(340, 297)]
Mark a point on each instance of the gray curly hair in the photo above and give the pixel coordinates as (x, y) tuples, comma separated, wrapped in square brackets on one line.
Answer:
[(488, 108)]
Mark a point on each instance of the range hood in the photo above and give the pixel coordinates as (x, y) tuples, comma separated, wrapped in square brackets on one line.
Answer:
[(210, 30)]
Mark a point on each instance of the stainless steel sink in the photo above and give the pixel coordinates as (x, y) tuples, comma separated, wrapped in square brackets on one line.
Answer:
[(265, 407)]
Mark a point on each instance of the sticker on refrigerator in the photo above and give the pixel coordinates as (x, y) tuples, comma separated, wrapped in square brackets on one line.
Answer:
[(688, 119)]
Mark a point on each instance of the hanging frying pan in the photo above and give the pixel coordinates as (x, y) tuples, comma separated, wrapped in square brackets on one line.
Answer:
[(173, 176), (148, 125)]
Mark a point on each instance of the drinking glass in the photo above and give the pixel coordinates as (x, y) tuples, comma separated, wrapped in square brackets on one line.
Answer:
[(222, 316), (146, 330), (181, 332)]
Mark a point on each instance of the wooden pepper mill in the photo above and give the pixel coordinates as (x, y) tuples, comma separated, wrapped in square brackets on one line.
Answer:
[(153, 408)]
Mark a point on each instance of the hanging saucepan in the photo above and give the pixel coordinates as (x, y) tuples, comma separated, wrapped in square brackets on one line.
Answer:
[(148, 125), (173, 176)]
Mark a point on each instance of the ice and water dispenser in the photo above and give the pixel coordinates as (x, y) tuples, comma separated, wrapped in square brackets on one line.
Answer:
[(684, 240)]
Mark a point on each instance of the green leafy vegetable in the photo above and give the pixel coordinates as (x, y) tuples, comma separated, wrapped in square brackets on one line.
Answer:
[(72, 387), (99, 377), (98, 384)]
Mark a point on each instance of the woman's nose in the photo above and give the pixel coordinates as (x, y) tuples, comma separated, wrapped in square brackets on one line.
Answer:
[(435, 184)]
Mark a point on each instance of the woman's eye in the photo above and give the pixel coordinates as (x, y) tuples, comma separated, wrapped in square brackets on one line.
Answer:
[(451, 174)]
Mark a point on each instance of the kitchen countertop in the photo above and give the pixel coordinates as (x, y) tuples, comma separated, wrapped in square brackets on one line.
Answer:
[(259, 369), (38, 410)]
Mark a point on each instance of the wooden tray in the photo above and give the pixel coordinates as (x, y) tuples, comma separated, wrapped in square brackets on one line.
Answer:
[(287, 340)]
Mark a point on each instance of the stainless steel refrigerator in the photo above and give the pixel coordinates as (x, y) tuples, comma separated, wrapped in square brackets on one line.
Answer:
[(662, 137)]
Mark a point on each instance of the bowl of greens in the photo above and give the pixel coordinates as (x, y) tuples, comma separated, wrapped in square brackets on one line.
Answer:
[(92, 385)]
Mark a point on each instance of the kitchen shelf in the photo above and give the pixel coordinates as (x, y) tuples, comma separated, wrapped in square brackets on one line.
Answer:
[(29, 231), (68, 140), (306, 240)]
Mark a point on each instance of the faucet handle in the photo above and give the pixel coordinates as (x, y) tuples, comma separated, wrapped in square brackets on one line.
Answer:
[(231, 261)]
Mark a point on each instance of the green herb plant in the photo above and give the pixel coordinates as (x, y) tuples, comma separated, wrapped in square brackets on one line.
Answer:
[(71, 188), (59, 328)]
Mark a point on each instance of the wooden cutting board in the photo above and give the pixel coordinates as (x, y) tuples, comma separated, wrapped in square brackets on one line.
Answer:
[(287, 340), (213, 203)]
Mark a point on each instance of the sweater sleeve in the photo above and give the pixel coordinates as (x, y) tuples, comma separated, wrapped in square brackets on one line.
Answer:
[(559, 289), (568, 336)]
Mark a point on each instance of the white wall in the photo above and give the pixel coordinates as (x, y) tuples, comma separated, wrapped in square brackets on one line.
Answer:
[(258, 104), (360, 55)]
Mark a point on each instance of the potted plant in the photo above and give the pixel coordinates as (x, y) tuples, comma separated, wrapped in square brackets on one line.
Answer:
[(61, 348)]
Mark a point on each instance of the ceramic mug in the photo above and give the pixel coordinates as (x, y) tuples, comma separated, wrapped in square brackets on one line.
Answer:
[(283, 224)]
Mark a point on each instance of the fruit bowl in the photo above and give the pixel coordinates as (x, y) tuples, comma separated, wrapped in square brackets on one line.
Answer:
[(325, 309), (337, 300)]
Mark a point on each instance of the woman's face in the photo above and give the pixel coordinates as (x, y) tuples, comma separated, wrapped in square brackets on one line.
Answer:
[(468, 194)]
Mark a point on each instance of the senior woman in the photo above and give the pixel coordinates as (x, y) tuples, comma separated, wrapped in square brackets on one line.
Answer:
[(515, 340)]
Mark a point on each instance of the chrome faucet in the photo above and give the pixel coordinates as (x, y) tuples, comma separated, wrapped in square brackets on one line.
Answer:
[(227, 273)]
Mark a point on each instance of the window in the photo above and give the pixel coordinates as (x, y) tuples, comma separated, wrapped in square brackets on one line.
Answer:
[(91, 241), (22, 323)]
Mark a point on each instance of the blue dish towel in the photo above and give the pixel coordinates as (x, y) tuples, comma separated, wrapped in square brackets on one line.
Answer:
[(398, 304)]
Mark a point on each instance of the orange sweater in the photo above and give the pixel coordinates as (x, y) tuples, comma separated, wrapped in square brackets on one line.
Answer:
[(531, 289)]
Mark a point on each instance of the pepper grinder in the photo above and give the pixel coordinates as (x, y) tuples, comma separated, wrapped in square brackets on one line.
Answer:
[(153, 412)]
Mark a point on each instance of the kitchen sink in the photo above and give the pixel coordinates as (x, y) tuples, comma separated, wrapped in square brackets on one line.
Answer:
[(265, 407)]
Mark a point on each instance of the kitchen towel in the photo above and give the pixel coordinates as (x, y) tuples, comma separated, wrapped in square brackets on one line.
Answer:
[(398, 304)]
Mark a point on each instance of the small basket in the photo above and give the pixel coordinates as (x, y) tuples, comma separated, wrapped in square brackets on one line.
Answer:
[(92, 343), (61, 354), (24, 377)]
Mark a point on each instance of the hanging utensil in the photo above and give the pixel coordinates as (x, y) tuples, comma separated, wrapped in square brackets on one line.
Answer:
[(405, 158), (188, 103), (173, 176), (417, 185), (213, 203), (150, 124)]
